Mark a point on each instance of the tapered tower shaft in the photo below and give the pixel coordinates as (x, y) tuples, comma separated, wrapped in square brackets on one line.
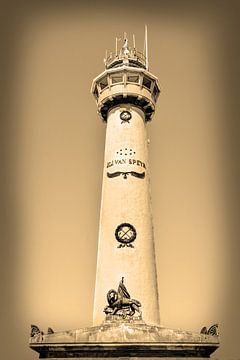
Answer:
[(126, 94)]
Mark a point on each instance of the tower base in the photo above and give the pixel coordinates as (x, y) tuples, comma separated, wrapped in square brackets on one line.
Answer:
[(125, 340)]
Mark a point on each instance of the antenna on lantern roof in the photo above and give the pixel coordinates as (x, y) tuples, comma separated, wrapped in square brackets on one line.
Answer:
[(146, 46), (116, 45), (105, 59), (134, 43), (127, 54)]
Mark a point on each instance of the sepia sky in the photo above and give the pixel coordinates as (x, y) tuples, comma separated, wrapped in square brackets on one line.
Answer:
[(52, 144)]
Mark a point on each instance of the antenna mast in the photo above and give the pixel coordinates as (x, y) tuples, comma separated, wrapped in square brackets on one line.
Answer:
[(146, 46), (134, 43)]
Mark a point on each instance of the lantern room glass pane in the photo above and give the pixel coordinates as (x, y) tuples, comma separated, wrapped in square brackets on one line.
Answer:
[(155, 92), (133, 78), (116, 79), (103, 83), (147, 82), (95, 91)]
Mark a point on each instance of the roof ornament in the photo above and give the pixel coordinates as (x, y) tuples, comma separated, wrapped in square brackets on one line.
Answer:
[(125, 48)]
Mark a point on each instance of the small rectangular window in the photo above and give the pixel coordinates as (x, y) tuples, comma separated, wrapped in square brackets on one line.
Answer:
[(133, 78), (103, 83), (117, 79), (155, 92), (147, 82), (95, 91)]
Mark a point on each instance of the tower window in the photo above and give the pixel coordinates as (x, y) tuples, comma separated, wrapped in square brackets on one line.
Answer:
[(103, 83), (95, 91), (133, 78), (117, 79), (155, 92), (147, 82)]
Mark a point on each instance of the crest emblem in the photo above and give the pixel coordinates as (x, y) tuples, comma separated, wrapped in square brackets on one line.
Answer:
[(125, 234), (125, 116)]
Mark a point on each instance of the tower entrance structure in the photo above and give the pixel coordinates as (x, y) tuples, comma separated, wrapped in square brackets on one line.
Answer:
[(126, 312)]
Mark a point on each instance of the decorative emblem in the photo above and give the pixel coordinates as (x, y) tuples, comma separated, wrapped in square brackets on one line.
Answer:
[(125, 234), (50, 331), (120, 305), (125, 151), (36, 334), (35, 330), (204, 330), (213, 330), (125, 116), (126, 173)]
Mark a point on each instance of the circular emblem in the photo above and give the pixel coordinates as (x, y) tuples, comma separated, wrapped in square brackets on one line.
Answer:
[(125, 234), (125, 116)]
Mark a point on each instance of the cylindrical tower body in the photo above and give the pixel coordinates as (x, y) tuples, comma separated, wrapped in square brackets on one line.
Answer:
[(126, 97)]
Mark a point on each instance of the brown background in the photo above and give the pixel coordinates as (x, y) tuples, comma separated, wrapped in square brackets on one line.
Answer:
[(52, 144)]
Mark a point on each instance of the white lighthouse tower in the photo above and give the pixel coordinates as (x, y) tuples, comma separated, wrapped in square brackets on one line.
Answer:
[(126, 312), (126, 94)]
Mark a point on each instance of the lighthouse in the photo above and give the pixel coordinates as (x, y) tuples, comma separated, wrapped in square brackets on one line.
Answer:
[(126, 94), (126, 321)]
